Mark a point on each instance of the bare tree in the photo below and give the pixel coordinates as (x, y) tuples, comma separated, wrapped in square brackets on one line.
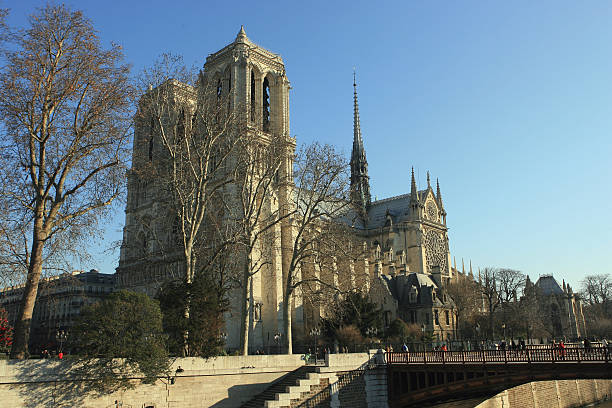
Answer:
[(597, 291), (467, 297), (489, 290), (254, 210), (192, 133), (65, 104), (319, 200), (597, 294)]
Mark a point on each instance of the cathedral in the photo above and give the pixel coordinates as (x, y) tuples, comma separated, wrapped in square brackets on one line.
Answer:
[(406, 239)]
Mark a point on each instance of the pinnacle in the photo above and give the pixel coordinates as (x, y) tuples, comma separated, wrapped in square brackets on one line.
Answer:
[(241, 35)]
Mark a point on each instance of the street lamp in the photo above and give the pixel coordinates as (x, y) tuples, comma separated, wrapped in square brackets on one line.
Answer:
[(371, 332), (504, 329), (277, 339), (423, 336), (61, 336), (315, 332)]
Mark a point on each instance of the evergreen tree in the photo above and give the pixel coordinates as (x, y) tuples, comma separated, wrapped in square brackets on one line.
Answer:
[(118, 338)]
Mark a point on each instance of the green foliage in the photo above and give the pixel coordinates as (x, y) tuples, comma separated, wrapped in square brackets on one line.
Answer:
[(205, 320), (118, 338), (6, 332), (354, 310)]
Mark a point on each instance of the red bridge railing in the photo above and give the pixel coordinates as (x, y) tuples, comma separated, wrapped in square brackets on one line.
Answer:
[(539, 355)]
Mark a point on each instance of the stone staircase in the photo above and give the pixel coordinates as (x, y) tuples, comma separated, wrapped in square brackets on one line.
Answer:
[(299, 385), (305, 388), (279, 387)]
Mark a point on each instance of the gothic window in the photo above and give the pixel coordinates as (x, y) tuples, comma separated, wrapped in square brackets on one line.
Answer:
[(180, 127), (436, 249), (151, 140), (219, 89), (431, 211), (436, 317), (447, 317), (265, 102), (252, 96)]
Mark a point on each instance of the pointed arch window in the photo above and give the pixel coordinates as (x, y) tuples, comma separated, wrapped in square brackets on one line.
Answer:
[(252, 96), (151, 128), (265, 104)]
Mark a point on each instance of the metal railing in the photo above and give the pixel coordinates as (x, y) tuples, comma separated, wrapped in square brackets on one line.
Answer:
[(538, 355)]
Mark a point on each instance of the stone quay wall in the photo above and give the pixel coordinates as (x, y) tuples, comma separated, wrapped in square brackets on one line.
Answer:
[(551, 394), (219, 382), (543, 394)]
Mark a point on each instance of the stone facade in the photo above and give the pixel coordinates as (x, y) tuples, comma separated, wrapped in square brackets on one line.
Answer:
[(253, 82), (404, 235), (58, 303), (563, 307)]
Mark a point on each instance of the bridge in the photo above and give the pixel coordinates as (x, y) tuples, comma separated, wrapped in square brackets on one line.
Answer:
[(419, 378)]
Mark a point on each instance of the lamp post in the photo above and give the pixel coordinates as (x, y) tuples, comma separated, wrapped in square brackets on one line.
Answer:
[(371, 332), (478, 334), (222, 338), (61, 337), (315, 332), (423, 336), (277, 339), (504, 329)]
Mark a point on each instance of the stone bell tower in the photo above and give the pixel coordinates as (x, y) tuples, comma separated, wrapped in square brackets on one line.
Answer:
[(257, 87)]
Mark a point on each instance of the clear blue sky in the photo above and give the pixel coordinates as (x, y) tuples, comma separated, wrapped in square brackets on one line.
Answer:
[(508, 103)]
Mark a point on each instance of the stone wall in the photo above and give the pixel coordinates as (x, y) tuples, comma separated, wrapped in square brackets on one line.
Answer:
[(219, 382), (543, 394)]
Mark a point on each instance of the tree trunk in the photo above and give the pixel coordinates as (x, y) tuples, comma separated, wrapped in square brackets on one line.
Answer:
[(186, 312), (244, 325), (26, 308), (287, 321)]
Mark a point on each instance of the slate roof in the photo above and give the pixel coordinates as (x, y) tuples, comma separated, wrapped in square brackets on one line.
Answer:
[(549, 285), (401, 285), (398, 207)]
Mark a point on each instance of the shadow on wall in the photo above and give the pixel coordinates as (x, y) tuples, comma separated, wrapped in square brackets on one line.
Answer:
[(65, 383), (47, 383), (240, 394)]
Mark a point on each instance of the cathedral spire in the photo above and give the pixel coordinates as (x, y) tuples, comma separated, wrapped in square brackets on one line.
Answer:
[(438, 194), (428, 180), (360, 182), (414, 195)]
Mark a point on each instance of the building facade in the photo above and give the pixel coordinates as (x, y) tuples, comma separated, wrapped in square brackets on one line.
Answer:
[(58, 303), (406, 237), (562, 308)]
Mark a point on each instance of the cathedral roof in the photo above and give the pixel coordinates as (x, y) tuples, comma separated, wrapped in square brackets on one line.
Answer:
[(401, 286), (397, 207), (549, 285)]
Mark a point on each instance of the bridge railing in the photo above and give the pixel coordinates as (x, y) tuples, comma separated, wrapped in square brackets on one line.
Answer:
[(539, 355)]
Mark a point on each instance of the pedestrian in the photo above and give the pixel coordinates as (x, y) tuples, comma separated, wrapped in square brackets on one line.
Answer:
[(562, 350), (404, 348), (60, 355), (587, 345), (443, 348)]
